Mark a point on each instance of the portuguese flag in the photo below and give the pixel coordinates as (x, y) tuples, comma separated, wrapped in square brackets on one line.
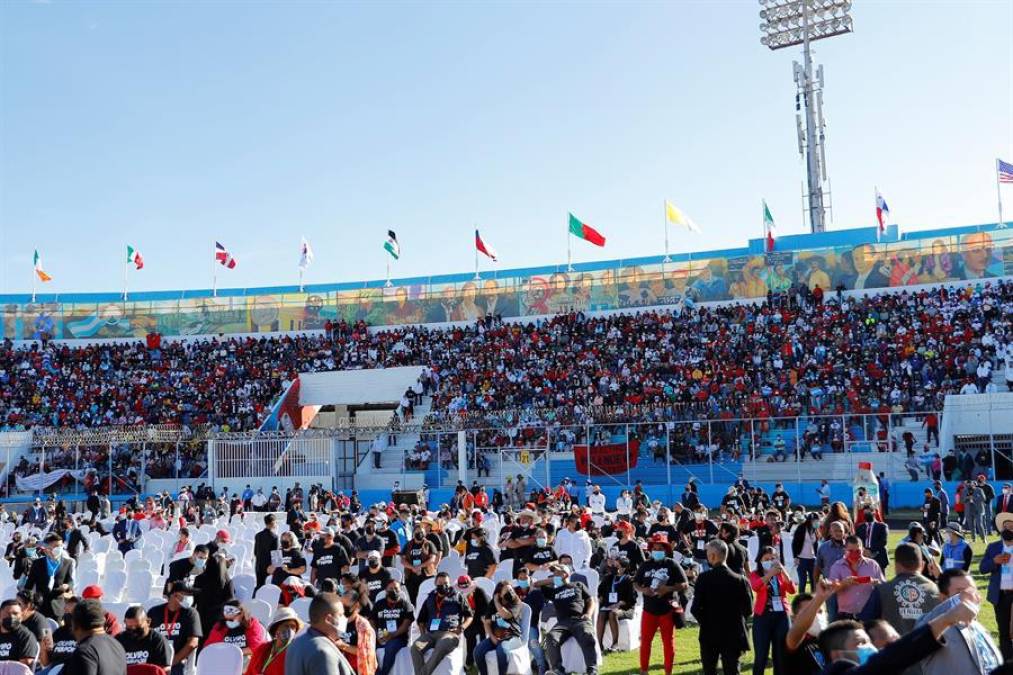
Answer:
[(585, 232)]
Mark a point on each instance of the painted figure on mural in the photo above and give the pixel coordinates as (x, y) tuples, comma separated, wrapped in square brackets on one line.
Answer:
[(977, 257)]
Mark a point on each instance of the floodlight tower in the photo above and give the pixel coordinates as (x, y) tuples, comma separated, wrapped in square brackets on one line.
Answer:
[(787, 23)]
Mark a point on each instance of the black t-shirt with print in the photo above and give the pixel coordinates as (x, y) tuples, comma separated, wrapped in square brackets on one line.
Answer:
[(375, 581), (387, 616), (18, 644), (631, 551), (699, 534), (569, 600), (540, 555), (178, 627), (328, 562), (234, 636), (64, 645), (291, 558), (152, 648), (524, 552), (478, 559), (419, 552), (655, 573), (36, 623), (806, 660)]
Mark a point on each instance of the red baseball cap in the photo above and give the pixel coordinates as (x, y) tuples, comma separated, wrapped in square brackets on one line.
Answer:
[(464, 580), (224, 536), (92, 593)]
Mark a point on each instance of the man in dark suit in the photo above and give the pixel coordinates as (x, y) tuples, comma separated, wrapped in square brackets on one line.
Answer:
[(1004, 502), (873, 535), (721, 602), (997, 557), (264, 543), (126, 532), (52, 576), (74, 539)]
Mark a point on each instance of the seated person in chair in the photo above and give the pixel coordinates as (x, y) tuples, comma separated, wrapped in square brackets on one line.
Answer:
[(574, 606), (444, 617)]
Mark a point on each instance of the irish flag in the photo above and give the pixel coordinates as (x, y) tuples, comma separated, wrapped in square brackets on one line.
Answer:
[(39, 272), (134, 256), (586, 232)]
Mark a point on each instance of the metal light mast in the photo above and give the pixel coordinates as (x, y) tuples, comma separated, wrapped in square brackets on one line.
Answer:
[(800, 22)]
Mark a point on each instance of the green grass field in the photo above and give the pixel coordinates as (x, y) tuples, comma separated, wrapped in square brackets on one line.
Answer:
[(687, 646)]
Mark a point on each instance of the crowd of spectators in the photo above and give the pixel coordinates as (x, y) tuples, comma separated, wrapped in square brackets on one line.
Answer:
[(892, 352)]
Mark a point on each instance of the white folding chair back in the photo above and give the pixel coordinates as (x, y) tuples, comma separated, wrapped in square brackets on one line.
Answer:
[(14, 668), (502, 574), (396, 573), (425, 589), (139, 585), (244, 585), (114, 585), (301, 606), (269, 593), (261, 610), (220, 659), (487, 585)]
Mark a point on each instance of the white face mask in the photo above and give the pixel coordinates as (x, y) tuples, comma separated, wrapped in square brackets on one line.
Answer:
[(818, 624), (340, 624)]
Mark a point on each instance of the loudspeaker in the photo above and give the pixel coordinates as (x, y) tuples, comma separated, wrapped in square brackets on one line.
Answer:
[(409, 497)]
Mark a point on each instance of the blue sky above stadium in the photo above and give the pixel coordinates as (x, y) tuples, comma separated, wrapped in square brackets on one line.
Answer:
[(170, 125)]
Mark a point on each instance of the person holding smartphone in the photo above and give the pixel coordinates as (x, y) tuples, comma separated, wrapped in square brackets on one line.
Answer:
[(771, 588), (858, 576)]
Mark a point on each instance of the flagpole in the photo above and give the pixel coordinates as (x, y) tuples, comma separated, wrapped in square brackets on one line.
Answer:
[(300, 279), (476, 255), (879, 225), (569, 256), (388, 284), (125, 270), (664, 210), (34, 277), (214, 272), (998, 193)]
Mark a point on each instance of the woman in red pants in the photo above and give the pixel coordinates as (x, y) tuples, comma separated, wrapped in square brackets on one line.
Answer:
[(658, 579)]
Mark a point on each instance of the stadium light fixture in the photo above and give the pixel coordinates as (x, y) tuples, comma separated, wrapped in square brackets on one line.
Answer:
[(787, 23)]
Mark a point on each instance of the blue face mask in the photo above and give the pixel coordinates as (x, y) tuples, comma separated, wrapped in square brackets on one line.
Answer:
[(658, 555), (522, 583), (864, 653), (557, 581)]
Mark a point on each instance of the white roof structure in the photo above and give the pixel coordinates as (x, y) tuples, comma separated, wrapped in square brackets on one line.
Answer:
[(357, 387)]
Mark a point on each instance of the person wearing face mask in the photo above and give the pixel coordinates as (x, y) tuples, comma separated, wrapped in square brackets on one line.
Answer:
[(802, 655), (997, 562), (574, 606), (858, 575), (392, 615), (269, 658), (30, 618), (357, 641), (596, 500), (847, 648), (721, 603), (627, 547), (444, 617), (573, 540), (369, 541), (140, 643), (968, 647), (265, 543), (771, 586), (315, 651), (16, 642), (502, 624), (737, 559), (616, 599), (420, 559), (237, 627), (659, 580), (376, 578), (329, 559), (189, 568), (479, 559), (56, 647), (541, 554), (701, 531), (1004, 502), (292, 563), (828, 553), (178, 622), (97, 652), (52, 576)]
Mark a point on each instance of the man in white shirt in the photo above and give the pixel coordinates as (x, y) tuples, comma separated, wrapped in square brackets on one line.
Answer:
[(574, 542), (596, 500), (624, 504)]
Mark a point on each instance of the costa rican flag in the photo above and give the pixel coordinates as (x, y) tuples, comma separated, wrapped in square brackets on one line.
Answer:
[(882, 213), (223, 257)]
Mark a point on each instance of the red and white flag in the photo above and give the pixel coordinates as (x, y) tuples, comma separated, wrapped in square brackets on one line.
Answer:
[(882, 213), (223, 257), (484, 247)]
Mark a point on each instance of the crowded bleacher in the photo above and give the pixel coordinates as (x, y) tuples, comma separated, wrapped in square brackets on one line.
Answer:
[(789, 356)]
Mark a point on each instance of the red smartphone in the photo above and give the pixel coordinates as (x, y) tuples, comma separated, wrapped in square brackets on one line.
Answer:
[(864, 580)]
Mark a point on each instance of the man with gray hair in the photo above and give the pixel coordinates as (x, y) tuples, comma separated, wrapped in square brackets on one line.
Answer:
[(721, 603)]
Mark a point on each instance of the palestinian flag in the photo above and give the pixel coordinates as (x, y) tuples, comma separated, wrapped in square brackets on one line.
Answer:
[(134, 256), (39, 272), (391, 245), (484, 247), (585, 232)]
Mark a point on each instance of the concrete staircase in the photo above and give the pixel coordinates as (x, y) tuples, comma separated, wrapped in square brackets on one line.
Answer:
[(391, 462)]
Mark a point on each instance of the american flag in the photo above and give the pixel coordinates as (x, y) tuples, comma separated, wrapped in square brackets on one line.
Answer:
[(1005, 171)]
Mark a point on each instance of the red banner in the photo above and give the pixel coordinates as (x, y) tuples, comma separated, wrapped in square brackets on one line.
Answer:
[(606, 459)]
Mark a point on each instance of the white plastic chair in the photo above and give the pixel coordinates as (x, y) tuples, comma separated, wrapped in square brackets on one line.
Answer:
[(114, 585), (486, 584), (220, 659), (117, 609), (301, 606), (152, 602), (86, 577), (139, 586), (425, 589), (269, 593), (396, 573), (244, 585), (518, 654), (502, 574), (14, 668), (261, 610), (132, 554)]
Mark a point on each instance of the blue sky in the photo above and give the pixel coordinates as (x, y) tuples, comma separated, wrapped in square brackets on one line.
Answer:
[(170, 125)]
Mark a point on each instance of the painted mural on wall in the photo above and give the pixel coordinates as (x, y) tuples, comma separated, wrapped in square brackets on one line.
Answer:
[(975, 255)]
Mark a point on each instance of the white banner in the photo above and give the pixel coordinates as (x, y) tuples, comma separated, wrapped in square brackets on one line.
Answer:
[(41, 481)]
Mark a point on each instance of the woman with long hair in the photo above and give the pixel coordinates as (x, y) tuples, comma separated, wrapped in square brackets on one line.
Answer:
[(358, 641), (838, 512), (771, 587), (502, 624)]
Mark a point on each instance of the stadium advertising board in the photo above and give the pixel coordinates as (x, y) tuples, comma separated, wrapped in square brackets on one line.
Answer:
[(606, 458), (611, 285)]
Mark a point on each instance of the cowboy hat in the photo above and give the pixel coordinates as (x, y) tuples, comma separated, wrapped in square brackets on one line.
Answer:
[(956, 529), (1002, 519), (284, 614), (659, 538), (527, 513)]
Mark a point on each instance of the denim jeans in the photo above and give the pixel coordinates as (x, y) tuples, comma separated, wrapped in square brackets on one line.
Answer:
[(805, 572), (769, 631), (390, 650), (483, 648), (535, 647)]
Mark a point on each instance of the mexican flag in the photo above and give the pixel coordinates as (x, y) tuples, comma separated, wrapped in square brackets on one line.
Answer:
[(391, 245), (39, 272), (768, 225), (134, 256), (585, 232)]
